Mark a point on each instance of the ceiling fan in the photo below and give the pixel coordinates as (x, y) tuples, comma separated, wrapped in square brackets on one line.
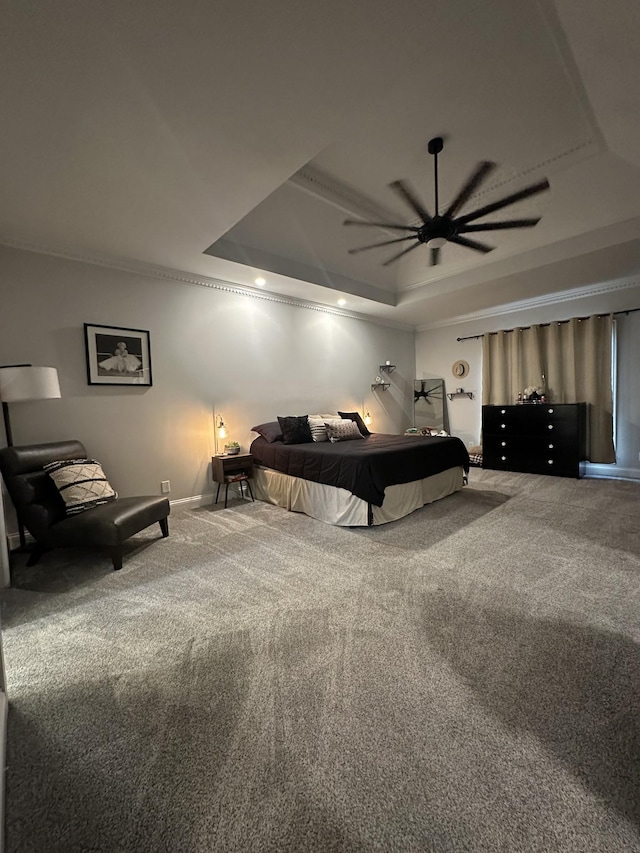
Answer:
[(442, 228)]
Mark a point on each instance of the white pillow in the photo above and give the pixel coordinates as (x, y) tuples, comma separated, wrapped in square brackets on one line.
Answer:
[(81, 483), (318, 429), (342, 430), (317, 425)]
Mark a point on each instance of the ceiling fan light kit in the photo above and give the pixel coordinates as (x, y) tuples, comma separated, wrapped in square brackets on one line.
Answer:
[(442, 228)]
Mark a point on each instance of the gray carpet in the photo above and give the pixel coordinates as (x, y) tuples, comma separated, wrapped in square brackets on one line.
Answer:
[(466, 679)]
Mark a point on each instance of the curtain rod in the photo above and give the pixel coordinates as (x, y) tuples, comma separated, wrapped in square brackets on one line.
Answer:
[(475, 337)]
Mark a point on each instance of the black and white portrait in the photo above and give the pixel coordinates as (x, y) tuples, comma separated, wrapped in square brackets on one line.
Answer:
[(117, 356)]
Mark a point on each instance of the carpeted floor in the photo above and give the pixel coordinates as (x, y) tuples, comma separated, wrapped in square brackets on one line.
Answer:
[(465, 679)]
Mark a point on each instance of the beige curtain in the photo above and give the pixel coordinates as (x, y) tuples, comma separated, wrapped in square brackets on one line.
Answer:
[(570, 360)]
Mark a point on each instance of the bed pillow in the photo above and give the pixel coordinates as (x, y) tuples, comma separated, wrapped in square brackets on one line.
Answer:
[(81, 483), (295, 429), (318, 429), (355, 416), (343, 430), (317, 425), (270, 431)]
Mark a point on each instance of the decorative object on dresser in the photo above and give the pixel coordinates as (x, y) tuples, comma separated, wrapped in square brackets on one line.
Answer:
[(541, 439), (117, 355), (230, 469)]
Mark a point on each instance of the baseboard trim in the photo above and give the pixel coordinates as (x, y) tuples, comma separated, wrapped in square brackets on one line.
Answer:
[(194, 500), (611, 472)]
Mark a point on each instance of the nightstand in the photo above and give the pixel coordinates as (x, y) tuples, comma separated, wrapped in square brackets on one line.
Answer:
[(237, 468)]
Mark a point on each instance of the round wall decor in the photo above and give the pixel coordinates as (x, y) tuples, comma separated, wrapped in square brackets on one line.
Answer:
[(460, 369)]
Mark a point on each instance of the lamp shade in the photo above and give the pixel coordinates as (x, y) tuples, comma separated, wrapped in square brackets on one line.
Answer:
[(28, 383)]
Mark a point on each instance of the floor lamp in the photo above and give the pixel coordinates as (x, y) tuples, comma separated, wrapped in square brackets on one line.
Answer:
[(19, 383)]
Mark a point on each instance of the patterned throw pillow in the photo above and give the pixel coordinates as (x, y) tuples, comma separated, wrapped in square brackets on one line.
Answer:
[(81, 483), (342, 431), (357, 418), (318, 428)]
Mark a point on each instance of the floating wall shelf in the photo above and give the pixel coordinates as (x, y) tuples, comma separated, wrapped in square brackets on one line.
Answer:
[(468, 394), (382, 386), (387, 368)]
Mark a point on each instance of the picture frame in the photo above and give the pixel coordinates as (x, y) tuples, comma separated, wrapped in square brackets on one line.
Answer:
[(117, 355)]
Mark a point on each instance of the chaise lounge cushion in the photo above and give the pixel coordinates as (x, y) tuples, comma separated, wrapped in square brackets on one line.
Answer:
[(107, 524)]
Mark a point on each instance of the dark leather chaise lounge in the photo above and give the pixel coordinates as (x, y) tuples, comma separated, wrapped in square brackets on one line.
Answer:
[(41, 509)]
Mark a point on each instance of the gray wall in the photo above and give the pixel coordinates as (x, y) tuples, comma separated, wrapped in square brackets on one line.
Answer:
[(248, 358), (437, 350)]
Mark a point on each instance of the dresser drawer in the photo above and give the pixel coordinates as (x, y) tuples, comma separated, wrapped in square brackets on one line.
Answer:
[(529, 419), (531, 454)]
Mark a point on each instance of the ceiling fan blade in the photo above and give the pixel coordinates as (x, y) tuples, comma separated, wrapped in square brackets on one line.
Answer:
[(505, 202), (409, 196), (381, 225), (384, 243), (472, 244), (478, 176), (498, 226), (403, 252), (435, 257)]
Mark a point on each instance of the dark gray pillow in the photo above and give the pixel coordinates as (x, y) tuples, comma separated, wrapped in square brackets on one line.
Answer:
[(270, 431), (355, 416), (295, 429)]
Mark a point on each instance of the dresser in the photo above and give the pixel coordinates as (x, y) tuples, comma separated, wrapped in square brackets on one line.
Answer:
[(535, 438)]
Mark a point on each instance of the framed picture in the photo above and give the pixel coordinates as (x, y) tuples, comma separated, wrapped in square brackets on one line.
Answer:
[(117, 355)]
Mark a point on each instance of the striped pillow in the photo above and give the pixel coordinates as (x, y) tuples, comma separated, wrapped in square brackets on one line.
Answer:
[(342, 430), (317, 425), (81, 483)]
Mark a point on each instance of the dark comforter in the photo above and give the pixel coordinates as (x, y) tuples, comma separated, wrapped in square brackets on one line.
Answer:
[(364, 467)]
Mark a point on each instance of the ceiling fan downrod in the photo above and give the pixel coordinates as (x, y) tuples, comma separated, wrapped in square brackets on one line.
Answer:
[(434, 147)]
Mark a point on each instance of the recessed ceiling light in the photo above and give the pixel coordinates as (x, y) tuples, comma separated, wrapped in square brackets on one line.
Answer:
[(342, 301), (261, 281)]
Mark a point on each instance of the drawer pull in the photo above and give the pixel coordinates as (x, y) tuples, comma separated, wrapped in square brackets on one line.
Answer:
[(551, 447), (550, 426), (502, 411), (503, 443), (503, 458), (550, 411), (502, 426), (550, 461)]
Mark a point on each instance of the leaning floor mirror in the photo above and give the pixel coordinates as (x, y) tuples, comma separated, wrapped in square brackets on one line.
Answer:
[(428, 404)]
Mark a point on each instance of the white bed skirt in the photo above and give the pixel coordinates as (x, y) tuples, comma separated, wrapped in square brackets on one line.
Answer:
[(338, 506)]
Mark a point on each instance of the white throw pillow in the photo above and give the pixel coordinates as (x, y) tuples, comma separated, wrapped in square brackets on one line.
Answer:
[(318, 428), (82, 484)]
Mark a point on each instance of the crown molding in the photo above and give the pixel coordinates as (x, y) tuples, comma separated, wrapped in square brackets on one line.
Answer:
[(194, 280), (536, 302)]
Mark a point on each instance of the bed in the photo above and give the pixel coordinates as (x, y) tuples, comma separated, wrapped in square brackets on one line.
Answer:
[(374, 480)]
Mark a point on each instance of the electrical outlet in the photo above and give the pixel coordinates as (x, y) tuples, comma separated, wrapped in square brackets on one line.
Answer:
[(165, 487)]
